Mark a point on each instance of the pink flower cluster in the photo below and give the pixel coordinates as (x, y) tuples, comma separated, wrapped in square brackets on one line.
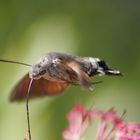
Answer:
[(25, 138), (79, 119)]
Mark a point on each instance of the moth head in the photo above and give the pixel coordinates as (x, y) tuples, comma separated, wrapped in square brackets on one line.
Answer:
[(38, 70)]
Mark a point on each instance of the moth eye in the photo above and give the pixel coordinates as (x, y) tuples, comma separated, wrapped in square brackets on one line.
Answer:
[(42, 72), (39, 66)]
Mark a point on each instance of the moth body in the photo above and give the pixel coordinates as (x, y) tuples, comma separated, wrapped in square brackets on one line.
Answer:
[(54, 72)]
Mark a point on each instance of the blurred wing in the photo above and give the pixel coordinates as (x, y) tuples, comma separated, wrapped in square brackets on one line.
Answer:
[(40, 87), (54, 88), (83, 78)]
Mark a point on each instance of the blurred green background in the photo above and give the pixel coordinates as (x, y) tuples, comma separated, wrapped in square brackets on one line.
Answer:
[(106, 29)]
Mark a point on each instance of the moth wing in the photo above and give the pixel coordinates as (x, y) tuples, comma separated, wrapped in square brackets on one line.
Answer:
[(83, 78), (53, 88), (40, 87)]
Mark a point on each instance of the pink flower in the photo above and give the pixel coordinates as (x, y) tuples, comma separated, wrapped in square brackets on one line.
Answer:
[(25, 138), (111, 126), (130, 131), (77, 123), (105, 119)]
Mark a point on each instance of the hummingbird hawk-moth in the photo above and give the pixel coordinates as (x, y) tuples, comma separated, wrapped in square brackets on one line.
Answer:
[(54, 72)]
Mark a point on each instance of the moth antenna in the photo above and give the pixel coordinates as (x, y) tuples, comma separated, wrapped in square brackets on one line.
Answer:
[(16, 62), (27, 109)]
